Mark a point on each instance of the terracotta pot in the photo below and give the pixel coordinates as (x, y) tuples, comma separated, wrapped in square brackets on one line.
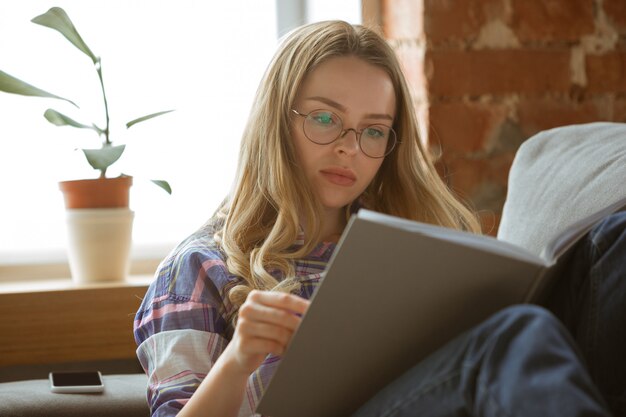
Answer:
[(97, 193), (99, 228)]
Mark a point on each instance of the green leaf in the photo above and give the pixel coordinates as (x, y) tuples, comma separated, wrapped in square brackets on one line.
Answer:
[(97, 129), (164, 185), (57, 19), (60, 119), (10, 84), (143, 118), (161, 183), (104, 157)]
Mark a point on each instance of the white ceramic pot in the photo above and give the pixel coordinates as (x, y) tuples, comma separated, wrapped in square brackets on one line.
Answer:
[(99, 242)]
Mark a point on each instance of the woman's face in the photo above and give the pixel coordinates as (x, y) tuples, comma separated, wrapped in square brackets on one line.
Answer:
[(360, 94)]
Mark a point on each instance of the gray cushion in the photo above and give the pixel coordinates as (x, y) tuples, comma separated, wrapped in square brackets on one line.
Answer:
[(560, 176), (123, 396)]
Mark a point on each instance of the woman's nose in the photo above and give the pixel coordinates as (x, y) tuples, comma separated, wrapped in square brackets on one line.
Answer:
[(345, 142)]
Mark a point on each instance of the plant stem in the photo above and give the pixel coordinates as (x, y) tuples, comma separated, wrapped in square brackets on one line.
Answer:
[(106, 105), (106, 111)]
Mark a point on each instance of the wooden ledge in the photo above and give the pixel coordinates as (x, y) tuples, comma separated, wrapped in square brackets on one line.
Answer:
[(58, 321), (66, 284)]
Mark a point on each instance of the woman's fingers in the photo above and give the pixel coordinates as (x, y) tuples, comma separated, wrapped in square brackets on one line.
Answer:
[(274, 308), (268, 319), (271, 332), (261, 313), (283, 301), (265, 325)]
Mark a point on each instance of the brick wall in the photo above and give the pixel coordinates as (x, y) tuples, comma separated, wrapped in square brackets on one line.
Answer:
[(488, 74)]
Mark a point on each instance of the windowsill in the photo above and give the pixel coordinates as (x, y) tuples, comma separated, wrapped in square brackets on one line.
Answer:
[(66, 284), (56, 274), (56, 320)]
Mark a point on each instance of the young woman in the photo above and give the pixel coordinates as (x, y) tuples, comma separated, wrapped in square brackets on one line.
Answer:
[(332, 130)]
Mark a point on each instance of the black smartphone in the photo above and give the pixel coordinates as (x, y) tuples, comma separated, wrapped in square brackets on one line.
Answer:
[(76, 382)]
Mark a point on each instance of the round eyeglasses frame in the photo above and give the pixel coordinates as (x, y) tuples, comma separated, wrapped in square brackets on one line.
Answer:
[(344, 132)]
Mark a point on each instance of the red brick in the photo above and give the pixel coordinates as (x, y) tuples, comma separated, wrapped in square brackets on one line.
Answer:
[(458, 20), (619, 110), (482, 182), (403, 19), (536, 115), (458, 72), (467, 173), (463, 128), (606, 73), (616, 12), (549, 20), (463, 175)]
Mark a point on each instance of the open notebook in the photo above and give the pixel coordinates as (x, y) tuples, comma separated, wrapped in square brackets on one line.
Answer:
[(395, 291)]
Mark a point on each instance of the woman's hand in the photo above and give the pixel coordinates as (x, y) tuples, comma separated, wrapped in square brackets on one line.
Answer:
[(266, 323)]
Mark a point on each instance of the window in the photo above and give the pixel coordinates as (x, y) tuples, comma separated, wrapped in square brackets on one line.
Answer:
[(203, 59)]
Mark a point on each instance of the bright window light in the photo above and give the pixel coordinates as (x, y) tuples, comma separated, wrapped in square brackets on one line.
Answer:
[(202, 58)]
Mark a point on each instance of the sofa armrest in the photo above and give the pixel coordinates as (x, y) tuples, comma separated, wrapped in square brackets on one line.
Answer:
[(561, 176), (123, 396)]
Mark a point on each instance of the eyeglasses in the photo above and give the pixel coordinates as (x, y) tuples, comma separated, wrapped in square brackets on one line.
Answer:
[(324, 127)]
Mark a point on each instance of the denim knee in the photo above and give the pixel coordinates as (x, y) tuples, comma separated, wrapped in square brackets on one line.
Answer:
[(521, 315), (529, 354)]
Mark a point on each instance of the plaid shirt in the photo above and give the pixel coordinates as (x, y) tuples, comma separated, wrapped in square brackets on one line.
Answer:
[(182, 326)]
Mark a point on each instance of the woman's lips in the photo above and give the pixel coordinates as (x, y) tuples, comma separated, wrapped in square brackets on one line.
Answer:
[(339, 176)]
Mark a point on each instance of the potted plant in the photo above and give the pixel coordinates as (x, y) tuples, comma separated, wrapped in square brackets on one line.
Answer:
[(99, 218)]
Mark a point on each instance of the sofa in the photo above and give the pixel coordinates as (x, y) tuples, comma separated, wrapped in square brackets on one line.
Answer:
[(124, 396), (560, 176)]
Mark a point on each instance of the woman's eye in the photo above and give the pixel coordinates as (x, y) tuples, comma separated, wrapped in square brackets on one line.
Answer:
[(323, 118), (375, 132)]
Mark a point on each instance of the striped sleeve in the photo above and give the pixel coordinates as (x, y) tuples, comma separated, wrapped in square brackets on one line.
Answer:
[(181, 327)]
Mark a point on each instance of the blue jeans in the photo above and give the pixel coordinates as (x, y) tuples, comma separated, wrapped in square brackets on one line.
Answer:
[(590, 299), (519, 362), (523, 361)]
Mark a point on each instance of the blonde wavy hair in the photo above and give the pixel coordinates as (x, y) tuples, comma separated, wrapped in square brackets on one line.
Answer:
[(260, 220)]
